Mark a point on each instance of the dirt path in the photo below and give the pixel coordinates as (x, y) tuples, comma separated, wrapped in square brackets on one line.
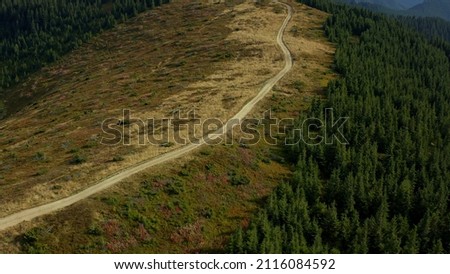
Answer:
[(29, 214)]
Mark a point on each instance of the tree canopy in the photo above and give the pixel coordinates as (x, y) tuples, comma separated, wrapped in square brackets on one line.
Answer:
[(37, 32), (387, 191)]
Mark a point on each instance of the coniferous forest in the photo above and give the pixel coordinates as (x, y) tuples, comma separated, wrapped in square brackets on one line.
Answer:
[(431, 27), (387, 191), (37, 32)]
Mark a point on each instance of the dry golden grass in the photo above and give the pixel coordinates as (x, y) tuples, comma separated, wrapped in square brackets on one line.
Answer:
[(313, 60), (223, 85), (183, 56)]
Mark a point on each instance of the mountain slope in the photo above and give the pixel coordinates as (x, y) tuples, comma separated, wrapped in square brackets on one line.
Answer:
[(389, 4), (192, 206), (429, 8), (432, 8), (122, 175), (430, 27), (385, 189), (406, 4)]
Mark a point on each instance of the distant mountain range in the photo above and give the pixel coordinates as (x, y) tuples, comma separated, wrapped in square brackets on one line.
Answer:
[(423, 8), (434, 8), (390, 4)]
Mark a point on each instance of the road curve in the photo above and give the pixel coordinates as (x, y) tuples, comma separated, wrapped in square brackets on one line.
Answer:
[(29, 214)]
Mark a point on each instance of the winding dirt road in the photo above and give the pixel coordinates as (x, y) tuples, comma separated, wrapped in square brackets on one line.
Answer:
[(29, 214)]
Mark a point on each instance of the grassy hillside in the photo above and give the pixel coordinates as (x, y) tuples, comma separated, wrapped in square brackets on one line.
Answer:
[(52, 146), (36, 33), (193, 205)]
